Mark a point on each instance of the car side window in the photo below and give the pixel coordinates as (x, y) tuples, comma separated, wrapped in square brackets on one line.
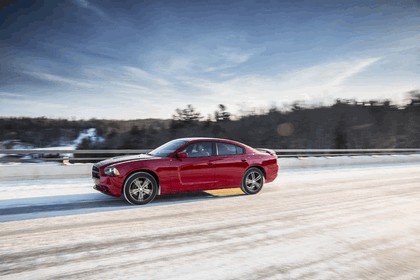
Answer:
[(240, 150), (228, 149), (200, 149)]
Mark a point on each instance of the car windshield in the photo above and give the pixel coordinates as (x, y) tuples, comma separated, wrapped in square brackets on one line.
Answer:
[(167, 148)]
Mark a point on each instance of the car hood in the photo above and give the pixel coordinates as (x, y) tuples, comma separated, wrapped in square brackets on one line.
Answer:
[(121, 159)]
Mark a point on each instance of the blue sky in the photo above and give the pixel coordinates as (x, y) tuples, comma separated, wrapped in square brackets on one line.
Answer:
[(143, 59)]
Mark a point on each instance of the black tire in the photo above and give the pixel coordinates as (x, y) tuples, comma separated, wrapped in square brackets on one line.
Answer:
[(253, 181), (140, 188)]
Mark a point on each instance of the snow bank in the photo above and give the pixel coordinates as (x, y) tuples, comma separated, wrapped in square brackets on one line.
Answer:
[(89, 134), (56, 170), (43, 170)]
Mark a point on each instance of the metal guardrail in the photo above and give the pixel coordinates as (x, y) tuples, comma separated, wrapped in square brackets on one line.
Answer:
[(40, 155), (342, 152), (64, 155)]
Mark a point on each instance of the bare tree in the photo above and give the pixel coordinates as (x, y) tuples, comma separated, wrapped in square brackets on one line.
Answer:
[(222, 114)]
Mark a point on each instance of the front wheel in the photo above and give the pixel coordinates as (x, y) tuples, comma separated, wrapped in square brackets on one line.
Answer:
[(140, 188), (253, 181)]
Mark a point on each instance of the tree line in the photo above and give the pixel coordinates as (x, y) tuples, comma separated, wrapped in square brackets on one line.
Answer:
[(345, 124)]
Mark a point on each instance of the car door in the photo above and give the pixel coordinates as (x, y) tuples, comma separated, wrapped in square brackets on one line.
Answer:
[(229, 165), (196, 172)]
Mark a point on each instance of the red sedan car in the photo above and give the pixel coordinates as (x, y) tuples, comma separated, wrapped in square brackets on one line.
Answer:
[(183, 165)]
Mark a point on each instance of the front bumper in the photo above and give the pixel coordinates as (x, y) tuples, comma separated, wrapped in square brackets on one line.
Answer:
[(107, 185), (102, 189)]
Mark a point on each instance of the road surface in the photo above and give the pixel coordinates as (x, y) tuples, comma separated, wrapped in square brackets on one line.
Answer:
[(354, 223)]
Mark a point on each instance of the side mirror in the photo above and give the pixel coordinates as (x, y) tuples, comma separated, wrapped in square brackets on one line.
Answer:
[(182, 155)]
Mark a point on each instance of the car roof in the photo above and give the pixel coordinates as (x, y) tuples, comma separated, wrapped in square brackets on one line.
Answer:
[(189, 139), (205, 138)]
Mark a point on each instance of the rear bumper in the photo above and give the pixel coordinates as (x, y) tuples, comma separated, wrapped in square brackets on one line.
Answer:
[(271, 173)]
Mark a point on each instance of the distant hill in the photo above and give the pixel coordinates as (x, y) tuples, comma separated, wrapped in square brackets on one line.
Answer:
[(346, 124), (44, 132)]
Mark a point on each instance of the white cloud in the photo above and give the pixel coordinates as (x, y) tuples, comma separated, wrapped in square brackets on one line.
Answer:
[(227, 58), (235, 56), (82, 3), (317, 78), (140, 75), (315, 84), (323, 82), (85, 4), (175, 64), (132, 92), (58, 79), (330, 75), (200, 59), (10, 95)]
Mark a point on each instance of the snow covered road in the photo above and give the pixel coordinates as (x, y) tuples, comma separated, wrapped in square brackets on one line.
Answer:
[(360, 222)]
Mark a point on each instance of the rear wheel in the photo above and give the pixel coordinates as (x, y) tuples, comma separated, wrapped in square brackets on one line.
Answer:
[(140, 188), (253, 181)]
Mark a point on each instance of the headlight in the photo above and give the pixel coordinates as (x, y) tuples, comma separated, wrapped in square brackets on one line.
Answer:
[(111, 171)]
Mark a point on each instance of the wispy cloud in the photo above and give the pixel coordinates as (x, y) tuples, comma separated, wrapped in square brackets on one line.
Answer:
[(234, 56), (313, 84), (85, 4), (47, 77), (10, 95), (201, 59), (329, 75), (175, 64), (229, 58), (134, 87), (118, 77), (140, 75)]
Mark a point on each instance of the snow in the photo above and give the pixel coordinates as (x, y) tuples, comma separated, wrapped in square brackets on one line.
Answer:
[(39, 192), (44, 170), (355, 222), (89, 134)]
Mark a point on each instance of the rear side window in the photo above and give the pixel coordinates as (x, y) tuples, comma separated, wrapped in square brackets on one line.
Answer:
[(199, 149), (228, 149), (240, 150)]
